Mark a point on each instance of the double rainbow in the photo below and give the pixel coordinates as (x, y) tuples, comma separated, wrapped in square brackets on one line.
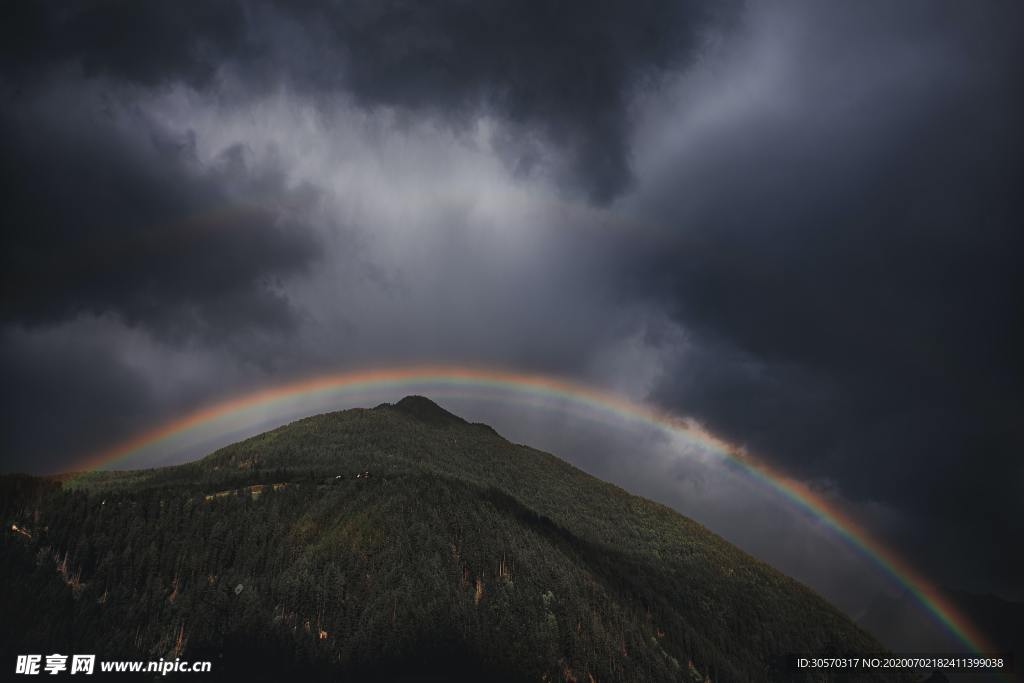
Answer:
[(796, 492)]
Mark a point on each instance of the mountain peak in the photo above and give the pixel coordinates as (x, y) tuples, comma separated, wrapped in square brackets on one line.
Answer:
[(425, 410)]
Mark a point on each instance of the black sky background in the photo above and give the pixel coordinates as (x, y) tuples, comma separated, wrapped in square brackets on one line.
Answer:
[(798, 222)]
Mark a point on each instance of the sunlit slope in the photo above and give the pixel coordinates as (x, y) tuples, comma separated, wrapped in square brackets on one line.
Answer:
[(395, 540)]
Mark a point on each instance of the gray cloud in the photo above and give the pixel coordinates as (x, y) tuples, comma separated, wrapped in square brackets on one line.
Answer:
[(107, 211)]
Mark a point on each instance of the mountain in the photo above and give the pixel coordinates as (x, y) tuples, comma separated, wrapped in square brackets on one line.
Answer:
[(395, 542)]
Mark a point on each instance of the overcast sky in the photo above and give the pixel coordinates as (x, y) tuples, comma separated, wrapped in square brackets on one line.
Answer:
[(797, 222)]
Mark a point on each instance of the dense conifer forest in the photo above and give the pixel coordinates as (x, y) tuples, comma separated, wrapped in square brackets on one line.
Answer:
[(394, 542)]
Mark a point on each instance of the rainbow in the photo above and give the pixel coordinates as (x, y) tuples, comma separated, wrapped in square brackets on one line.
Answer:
[(797, 493)]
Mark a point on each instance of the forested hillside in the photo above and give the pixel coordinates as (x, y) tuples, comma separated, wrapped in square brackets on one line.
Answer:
[(389, 542)]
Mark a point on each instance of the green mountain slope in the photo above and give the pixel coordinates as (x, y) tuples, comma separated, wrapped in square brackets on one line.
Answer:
[(397, 541)]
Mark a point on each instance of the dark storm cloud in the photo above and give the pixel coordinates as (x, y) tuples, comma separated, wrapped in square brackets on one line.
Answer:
[(112, 224), (63, 397), (150, 43), (565, 70), (848, 263), (106, 211)]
